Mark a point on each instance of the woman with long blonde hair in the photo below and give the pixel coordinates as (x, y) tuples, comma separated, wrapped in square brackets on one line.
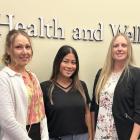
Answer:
[(115, 104)]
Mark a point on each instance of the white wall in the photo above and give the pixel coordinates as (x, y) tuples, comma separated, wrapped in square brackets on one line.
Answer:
[(70, 14)]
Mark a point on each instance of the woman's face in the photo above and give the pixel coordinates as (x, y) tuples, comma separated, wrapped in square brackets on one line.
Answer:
[(68, 66), (120, 50), (20, 51)]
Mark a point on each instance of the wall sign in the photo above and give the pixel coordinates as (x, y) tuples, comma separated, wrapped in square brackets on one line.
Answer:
[(53, 30)]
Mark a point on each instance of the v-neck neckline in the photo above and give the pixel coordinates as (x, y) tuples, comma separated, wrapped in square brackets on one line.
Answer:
[(63, 90)]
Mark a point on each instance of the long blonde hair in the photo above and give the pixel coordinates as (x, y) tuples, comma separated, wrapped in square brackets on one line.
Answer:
[(109, 63)]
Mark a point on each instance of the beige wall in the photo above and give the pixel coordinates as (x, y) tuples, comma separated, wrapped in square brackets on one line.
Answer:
[(70, 14)]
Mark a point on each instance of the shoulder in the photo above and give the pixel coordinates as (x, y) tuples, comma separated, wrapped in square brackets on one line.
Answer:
[(134, 71), (131, 75), (83, 84), (5, 73), (4, 78), (45, 84), (32, 74), (97, 75), (98, 72)]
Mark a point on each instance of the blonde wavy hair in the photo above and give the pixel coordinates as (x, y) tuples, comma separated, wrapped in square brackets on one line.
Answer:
[(109, 64), (10, 38)]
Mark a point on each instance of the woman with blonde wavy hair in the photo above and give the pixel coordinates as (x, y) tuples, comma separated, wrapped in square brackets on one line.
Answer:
[(22, 114), (115, 104)]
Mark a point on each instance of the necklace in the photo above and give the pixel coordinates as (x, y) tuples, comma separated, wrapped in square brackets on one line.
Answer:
[(63, 86)]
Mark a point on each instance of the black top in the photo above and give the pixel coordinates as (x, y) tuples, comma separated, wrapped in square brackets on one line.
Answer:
[(67, 115), (126, 102)]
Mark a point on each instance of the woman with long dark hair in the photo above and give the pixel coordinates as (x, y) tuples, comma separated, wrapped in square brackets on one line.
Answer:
[(66, 99)]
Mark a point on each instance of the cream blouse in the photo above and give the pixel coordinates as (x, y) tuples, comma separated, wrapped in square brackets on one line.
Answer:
[(105, 128)]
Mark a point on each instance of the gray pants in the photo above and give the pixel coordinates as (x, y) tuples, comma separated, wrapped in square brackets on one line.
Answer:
[(73, 137)]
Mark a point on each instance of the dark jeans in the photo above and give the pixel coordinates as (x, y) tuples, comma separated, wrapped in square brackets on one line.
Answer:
[(72, 137)]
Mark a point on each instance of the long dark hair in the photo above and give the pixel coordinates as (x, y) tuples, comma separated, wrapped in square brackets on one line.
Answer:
[(62, 52)]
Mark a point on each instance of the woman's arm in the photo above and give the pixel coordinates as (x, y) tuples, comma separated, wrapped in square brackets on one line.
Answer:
[(136, 128), (9, 125), (89, 123), (94, 106), (93, 123), (136, 132), (44, 129)]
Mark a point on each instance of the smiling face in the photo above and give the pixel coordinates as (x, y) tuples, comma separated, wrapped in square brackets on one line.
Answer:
[(120, 50), (20, 51), (68, 66)]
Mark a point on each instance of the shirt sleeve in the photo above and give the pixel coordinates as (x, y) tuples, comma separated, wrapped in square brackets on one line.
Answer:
[(93, 101), (86, 92), (137, 98), (44, 129), (9, 125), (45, 88)]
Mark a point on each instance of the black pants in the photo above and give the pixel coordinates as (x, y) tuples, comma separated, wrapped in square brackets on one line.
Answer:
[(34, 132)]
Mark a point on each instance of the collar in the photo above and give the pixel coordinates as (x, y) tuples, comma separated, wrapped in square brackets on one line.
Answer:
[(10, 72)]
